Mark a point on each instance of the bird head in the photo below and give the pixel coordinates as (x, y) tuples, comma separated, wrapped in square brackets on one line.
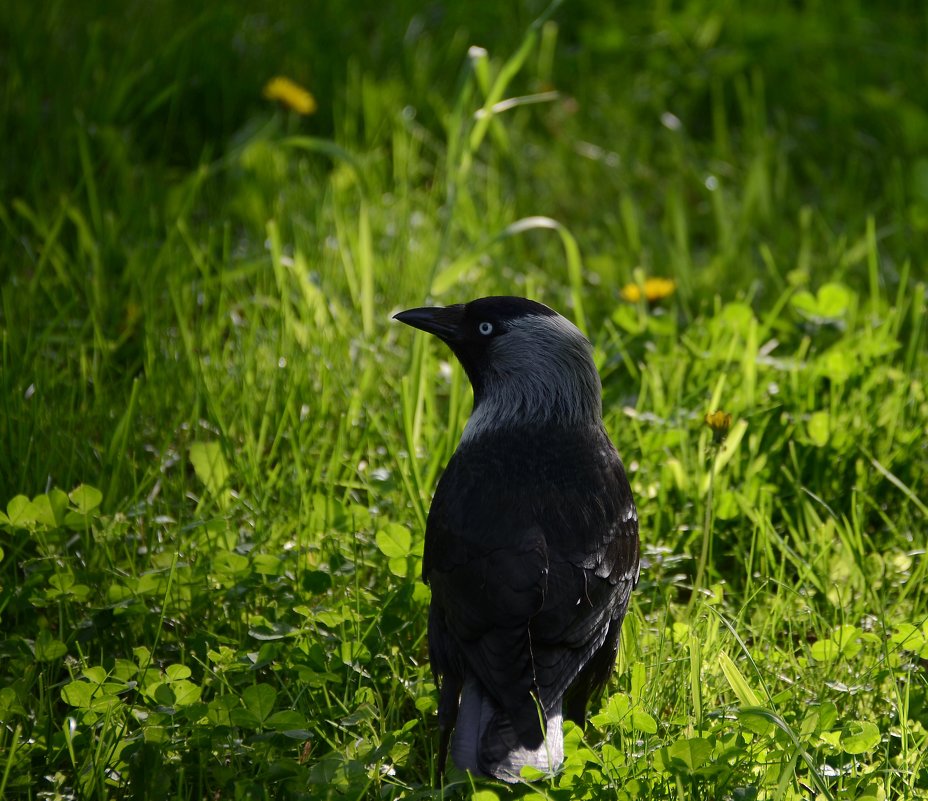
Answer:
[(528, 365)]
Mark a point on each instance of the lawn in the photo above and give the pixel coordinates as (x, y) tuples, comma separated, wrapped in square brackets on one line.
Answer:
[(217, 450)]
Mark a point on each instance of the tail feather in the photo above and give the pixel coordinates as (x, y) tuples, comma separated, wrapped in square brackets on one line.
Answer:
[(486, 743)]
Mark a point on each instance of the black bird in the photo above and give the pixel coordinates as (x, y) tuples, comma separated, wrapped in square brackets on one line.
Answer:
[(531, 545)]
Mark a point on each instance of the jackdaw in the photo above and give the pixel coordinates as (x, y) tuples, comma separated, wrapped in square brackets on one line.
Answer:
[(531, 546)]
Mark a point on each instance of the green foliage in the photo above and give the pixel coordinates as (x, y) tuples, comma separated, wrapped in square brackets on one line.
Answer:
[(195, 341)]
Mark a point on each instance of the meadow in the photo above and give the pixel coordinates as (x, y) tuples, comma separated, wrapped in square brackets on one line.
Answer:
[(217, 451)]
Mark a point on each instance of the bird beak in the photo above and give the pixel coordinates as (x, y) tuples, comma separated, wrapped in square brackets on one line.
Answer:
[(442, 321)]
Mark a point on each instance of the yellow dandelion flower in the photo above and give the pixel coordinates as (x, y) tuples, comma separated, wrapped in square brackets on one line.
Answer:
[(719, 422), (291, 94), (655, 289)]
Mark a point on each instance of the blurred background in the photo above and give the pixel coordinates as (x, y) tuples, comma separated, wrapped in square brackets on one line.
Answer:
[(737, 149)]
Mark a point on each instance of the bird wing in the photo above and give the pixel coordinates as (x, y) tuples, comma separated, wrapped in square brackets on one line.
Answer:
[(531, 552)]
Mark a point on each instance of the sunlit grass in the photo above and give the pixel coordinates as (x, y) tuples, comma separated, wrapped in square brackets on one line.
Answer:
[(218, 452)]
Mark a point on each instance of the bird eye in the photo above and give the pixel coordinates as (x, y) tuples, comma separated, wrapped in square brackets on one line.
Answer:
[(485, 328)]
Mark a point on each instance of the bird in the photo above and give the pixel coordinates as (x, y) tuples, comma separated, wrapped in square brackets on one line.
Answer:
[(531, 543)]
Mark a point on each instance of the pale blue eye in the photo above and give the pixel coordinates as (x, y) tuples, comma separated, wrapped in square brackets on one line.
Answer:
[(485, 328)]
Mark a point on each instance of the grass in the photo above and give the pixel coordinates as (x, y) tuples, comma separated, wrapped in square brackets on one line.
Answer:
[(218, 452)]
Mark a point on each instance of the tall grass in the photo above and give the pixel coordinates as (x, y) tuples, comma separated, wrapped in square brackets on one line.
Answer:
[(218, 453)]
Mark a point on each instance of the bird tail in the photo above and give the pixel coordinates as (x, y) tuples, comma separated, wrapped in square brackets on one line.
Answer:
[(486, 743)]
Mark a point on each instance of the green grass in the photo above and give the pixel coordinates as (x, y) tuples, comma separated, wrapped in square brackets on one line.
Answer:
[(217, 452)]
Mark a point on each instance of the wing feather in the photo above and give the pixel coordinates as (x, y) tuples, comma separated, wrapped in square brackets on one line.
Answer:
[(530, 579)]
